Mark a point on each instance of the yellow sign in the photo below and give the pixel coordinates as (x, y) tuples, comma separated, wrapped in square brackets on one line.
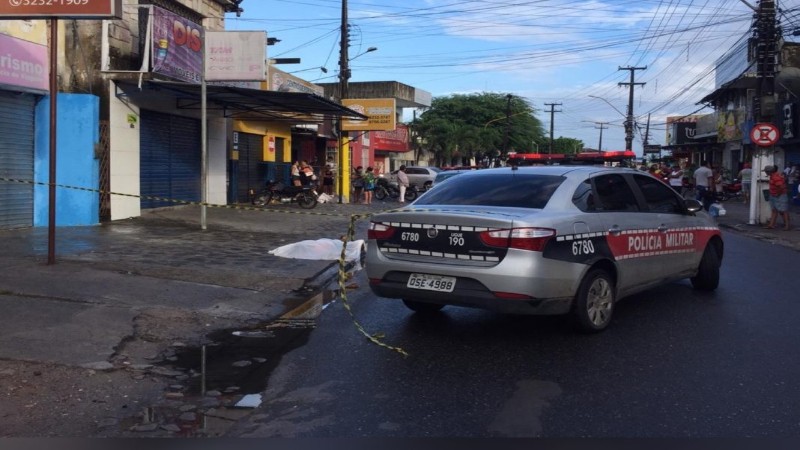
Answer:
[(381, 113)]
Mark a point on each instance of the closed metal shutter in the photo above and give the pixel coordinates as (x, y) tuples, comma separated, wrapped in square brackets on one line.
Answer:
[(251, 168), (16, 159), (170, 159)]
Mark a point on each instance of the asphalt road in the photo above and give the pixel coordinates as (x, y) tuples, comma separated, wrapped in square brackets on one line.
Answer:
[(674, 363)]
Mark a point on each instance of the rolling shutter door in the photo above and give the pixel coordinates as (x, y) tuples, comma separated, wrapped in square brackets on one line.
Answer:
[(170, 159), (251, 168), (16, 159)]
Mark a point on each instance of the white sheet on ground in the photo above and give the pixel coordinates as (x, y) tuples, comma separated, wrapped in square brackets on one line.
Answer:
[(320, 249)]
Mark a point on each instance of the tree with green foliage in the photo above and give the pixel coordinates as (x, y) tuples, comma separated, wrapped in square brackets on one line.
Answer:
[(567, 146), (463, 126)]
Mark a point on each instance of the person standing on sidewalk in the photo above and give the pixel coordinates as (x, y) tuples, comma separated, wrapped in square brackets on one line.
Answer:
[(402, 180), (704, 184), (778, 197), (746, 178)]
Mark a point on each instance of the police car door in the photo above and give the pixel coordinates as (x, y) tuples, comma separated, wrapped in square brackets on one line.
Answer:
[(680, 240), (632, 235)]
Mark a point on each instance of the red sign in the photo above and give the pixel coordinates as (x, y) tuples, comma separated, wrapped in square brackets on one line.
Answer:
[(74, 9), (390, 141), (764, 134)]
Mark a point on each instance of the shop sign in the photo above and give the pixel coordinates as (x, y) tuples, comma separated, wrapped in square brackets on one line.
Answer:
[(177, 46), (788, 125), (236, 55), (380, 111), (68, 9), (391, 141), (24, 64)]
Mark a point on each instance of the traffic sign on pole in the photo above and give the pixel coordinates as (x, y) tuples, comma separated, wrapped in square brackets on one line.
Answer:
[(764, 134)]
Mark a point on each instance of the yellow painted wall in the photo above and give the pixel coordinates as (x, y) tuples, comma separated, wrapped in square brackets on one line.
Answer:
[(267, 129)]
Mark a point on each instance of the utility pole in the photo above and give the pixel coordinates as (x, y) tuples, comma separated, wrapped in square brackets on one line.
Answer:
[(600, 142), (765, 47), (552, 112), (343, 169), (629, 118)]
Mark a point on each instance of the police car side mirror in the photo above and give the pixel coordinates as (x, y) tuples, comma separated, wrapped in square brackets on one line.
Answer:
[(693, 205)]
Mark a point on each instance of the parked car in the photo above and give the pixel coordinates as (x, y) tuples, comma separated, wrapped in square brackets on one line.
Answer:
[(542, 240), (421, 177), (446, 174)]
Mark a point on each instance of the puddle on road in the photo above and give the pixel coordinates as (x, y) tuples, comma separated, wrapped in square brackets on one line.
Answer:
[(210, 380), (240, 361)]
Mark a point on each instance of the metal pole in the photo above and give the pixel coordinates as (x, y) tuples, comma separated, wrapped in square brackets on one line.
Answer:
[(344, 74), (51, 220), (204, 141)]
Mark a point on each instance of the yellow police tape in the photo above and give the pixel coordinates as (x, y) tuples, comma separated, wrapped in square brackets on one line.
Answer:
[(342, 273)]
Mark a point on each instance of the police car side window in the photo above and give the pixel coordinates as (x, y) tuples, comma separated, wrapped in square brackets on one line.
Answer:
[(614, 194), (659, 197), (583, 197)]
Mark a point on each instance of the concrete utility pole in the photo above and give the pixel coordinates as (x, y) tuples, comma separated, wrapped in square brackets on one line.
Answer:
[(765, 37), (552, 111), (344, 75), (600, 142), (629, 118)]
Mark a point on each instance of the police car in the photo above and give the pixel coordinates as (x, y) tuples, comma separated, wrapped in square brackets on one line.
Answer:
[(542, 240)]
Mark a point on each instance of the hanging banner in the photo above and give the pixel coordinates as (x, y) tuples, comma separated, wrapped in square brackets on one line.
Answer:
[(177, 46)]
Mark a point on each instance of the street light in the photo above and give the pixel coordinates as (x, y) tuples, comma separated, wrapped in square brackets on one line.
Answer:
[(609, 104)]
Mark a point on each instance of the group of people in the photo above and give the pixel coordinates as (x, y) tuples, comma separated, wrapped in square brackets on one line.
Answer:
[(363, 181), (783, 186)]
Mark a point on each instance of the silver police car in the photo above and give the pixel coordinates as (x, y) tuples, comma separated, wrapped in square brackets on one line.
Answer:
[(542, 240)]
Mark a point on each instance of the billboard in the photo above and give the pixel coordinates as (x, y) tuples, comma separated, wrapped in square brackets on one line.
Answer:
[(381, 113), (236, 55), (177, 46)]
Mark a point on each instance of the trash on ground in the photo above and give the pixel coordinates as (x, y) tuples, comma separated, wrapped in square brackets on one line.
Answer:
[(249, 401)]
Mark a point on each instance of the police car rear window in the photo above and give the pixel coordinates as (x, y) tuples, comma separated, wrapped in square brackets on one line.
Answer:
[(507, 189)]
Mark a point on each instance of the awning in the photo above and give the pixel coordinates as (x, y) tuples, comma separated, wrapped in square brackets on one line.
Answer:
[(241, 103)]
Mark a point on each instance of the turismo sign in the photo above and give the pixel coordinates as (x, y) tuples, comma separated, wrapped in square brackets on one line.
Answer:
[(74, 9)]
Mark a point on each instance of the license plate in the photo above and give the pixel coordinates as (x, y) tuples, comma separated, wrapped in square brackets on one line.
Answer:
[(431, 282)]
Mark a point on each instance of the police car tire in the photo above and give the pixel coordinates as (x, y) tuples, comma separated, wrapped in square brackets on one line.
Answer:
[(588, 321), (707, 278), (422, 307)]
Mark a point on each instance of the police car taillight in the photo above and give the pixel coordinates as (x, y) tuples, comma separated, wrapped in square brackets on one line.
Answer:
[(533, 239), (379, 231)]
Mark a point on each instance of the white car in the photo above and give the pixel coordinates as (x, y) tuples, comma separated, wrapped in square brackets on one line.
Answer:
[(542, 240)]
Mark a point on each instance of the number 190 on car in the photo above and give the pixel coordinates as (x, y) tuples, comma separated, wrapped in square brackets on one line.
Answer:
[(431, 282)]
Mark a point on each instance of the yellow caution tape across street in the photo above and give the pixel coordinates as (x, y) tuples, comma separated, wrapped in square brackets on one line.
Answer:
[(342, 273)]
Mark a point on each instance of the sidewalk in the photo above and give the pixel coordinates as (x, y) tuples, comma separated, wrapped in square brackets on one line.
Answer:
[(126, 287), (737, 218)]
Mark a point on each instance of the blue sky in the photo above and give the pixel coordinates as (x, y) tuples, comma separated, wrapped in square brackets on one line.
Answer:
[(543, 51)]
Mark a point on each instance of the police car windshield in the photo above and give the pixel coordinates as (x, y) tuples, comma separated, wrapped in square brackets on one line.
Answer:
[(498, 189)]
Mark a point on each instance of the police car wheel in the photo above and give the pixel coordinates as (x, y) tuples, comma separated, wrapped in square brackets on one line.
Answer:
[(594, 302), (422, 307), (707, 278)]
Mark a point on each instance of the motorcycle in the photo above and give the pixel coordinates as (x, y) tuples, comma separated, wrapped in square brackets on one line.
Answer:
[(730, 189), (304, 196), (385, 188)]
